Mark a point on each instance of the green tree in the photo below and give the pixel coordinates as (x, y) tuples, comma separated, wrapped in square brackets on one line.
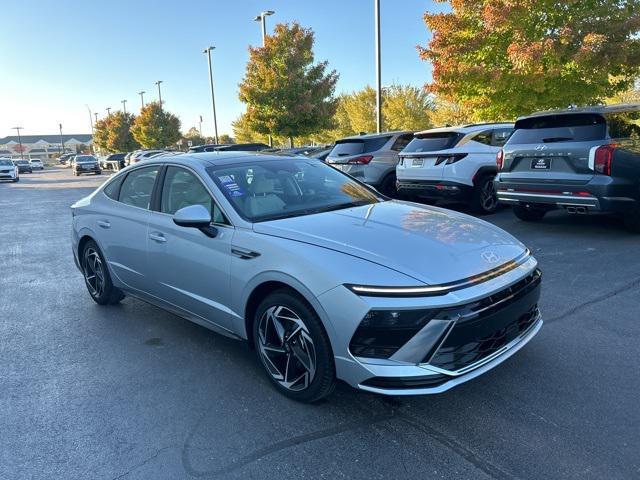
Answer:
[(155, 127), (113, 133), (449, 113), (285, 92), (504, 58), (225, 138)]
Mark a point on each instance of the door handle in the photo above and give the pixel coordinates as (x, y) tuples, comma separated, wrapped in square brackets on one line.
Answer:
[(104, 224), (157, 237)]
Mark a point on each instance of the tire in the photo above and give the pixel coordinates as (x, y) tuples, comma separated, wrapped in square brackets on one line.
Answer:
[(632, 221), (529, 213), (97, 277), (484, 200), (388, 186), (99, 173), (17, 179), (307, 352)]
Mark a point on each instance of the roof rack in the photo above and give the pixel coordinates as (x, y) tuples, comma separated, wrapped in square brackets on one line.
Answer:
[(483, 123)]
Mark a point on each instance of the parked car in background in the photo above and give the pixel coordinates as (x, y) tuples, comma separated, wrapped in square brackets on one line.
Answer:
[(141, 155), (209, 147), (320, 153), (36, 164), (23, 166), (9, 170), (243, 147), (371, 158), (113, 161), (455, 163), (582, 160), (86, 164), (326, 278), (65, 158)]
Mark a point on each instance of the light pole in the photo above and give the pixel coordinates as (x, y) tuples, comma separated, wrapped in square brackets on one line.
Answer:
[(61, 139), (17, 129), (207, 51), (260, 18), (95, 114), (108, 111), (124, 107), (378, 75), (141, 93), (201, 126), (159, 93)]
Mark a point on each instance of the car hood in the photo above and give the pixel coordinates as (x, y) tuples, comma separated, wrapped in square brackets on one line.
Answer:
[(430, 244)]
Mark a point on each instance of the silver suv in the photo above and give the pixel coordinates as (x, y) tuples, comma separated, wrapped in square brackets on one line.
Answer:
[(371, 158)]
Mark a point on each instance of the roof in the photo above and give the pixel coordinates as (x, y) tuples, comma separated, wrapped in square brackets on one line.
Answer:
[(597, 109), (216, 159), (81, 137), (376, 135), (475, 127)]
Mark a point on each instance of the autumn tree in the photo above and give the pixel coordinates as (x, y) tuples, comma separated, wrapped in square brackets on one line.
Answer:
[(113, 133), (155, 127), (286, 93), (504, 58), (225, 138)]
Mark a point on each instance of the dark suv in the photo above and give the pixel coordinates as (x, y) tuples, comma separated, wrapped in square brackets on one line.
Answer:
[(583, 160)]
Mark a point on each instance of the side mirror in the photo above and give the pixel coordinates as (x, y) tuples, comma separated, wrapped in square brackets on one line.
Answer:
[(195, 216)]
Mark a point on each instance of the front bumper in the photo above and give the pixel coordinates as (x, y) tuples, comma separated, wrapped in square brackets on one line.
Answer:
[(413, 370), (88, 169), (433, 189)]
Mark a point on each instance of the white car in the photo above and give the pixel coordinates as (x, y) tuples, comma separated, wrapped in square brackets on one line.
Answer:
[(36, 163), (9, 170), (456, 163)]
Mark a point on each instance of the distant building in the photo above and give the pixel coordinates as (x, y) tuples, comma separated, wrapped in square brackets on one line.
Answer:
[(43, 146)]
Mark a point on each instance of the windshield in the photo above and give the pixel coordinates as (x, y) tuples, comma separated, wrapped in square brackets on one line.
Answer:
[(291, 187), (22, 162), (6, 163), (85, 159)]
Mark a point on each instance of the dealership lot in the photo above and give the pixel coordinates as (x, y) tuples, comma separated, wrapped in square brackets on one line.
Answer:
[(131, 391)]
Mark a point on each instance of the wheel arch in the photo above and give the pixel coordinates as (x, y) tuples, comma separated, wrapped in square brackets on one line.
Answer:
[(483, 171)]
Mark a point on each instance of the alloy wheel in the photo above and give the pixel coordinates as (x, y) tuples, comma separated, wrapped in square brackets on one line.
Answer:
[(286, 348), (488, 197), (93, 272)]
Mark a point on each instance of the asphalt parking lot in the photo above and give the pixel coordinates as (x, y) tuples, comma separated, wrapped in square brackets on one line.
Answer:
[(133, 392)]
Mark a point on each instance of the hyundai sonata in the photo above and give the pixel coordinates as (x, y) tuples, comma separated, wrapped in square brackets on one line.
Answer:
[(323, 276)]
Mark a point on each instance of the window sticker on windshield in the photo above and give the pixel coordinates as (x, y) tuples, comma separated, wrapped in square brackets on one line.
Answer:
[(231, 186)]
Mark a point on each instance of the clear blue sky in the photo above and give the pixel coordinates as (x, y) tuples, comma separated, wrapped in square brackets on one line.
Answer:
[(57, 56)]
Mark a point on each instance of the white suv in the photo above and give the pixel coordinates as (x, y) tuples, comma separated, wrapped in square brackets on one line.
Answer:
[(457, 163)]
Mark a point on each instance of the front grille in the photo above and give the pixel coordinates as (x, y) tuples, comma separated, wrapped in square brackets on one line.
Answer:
[(486, 326)]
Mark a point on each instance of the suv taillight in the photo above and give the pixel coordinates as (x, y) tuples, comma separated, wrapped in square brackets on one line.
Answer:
[(500, 159), (449, 159), (603, 159), (361, 160)]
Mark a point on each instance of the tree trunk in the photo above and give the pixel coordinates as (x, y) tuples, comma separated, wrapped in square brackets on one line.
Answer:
[(290, 142)]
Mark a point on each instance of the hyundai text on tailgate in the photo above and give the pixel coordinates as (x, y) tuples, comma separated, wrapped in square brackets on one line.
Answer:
[(583, 160)]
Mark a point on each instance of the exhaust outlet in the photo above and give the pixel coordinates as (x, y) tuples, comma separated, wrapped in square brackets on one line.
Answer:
[(571, 209), (582, 210)]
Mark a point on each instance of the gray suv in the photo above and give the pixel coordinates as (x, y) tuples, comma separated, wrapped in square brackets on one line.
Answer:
[(582, 160), (371, 158)]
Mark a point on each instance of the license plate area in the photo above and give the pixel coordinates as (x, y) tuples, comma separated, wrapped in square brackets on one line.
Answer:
[(541, 163), (417, 162)]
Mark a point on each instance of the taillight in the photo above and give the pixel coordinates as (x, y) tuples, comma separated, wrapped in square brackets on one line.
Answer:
[(603, 158), (361, 160), (500, 159), (449, 159)]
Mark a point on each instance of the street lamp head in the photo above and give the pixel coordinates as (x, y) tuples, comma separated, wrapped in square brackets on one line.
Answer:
[(208, 49), (268, 12), (258, 18)]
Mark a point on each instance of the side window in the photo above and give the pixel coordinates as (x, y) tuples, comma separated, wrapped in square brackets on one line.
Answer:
[(113, 188), (624, 125), (500, 136), (137, 187), (483, 137), (401, 142), (182, 189)]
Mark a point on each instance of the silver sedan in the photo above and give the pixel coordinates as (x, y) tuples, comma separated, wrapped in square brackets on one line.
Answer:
[(323, 276)]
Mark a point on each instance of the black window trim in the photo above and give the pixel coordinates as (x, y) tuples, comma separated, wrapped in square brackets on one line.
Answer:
[(123, 177)]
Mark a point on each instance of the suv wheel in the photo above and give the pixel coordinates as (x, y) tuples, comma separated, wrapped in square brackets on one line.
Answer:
[(388, 186), (485, 199), (529, 213), (293, 347), (96, 276)]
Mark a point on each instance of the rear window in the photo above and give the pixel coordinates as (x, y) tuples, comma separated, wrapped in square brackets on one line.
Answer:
[(357, 146), (432, 142), (576, 127)]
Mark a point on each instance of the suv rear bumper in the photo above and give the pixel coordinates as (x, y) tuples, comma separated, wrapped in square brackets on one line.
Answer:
[(434, 189), (602, 194)]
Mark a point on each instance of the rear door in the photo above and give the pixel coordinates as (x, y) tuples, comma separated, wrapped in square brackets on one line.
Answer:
[(423, 158), (554, 148)]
